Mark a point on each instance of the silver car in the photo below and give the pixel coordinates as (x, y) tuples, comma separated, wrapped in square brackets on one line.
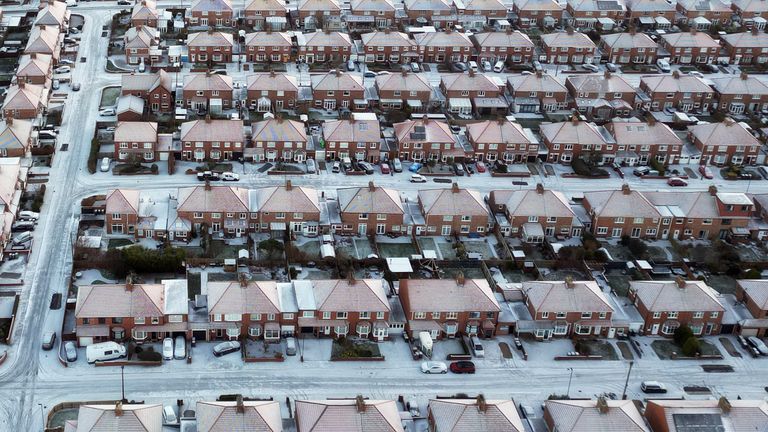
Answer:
[(71, 351)]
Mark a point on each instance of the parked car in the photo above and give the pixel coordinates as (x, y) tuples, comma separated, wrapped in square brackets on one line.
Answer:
[(537, 66), (311, 166), (480, 166), (76, 87), (29, 215), (208, 175), (290, 346), (434, 367), (21, 226), (418, 178), (611, 67), (104, 165), (462, 367), (397, 165), (696, 74), (459, 67), (676, 181), (590, 67), (641, 171), (473, 66), (70, 351), (498, 67), (47, 134), (350, 65), (56, 84), (226, 348), (123, 3), (415, 167), (49, 340), (365, 166), (384, 168), (758, 344), (705, 172), (458, 168), (104, 351), (167, 349), (180, 348), (415, 68), (230, 176), (369, 74), (107, 112), (653, 387), (663, 65), (487, 66), (62, 70), (169, 414), (336, 167)]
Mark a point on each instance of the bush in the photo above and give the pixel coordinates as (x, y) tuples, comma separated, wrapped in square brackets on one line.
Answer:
[(143, 260), (149, 355), (658, 166), (682, 334), (93, 155), (752, 274), (154, 169), (691, 347), (582, 348), (637, 247), (580, 167)]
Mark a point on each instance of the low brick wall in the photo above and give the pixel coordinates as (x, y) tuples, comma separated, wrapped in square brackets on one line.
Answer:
[(360, 359), (591, 357), (129, 363), (264, 359), (276, 172)]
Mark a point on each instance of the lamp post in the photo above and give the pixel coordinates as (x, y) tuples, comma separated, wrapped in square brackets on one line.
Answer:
[(122, 383), (626, 383), (570, 377), (42, 415)]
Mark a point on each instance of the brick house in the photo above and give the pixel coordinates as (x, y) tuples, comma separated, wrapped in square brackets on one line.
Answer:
[(319, 14), (212, 139), (690, 47), (452, 414), (737, 95), (623, 212), (287, 207), (389, 46), (444, 46), (724, 143), (45, 40), (754, 294), (638, 143), (593, 13), (140, 44), (371, 13), (601, 96), (131, 311), (200, 89), (324, 46), (338, 90), (53, 13), (707, 215), (440, 13), (122, 211), (136, 139), (266, 15), (664, 415), (683, 92), (449, 308), (667, 305), (568, 308), (210, 46), (501, 139), (453, 211), (357, 414), (573, 139), (510, 46), (593, 415), (356, 139), (404, 89), (371, 210), (272, 91), (25, 101), (703, 15), (278, 139), (568, 47), (656, 14), (425, 139), (750, 13), (211, 13), (145, 214), (472, 91), (15, 140), (539, 92), (35, 69), (746, 48), (537, 13), (219, 209), (534, 214), (272, 47), (629, 48), (144, 13), (155, 89), (245, 309)]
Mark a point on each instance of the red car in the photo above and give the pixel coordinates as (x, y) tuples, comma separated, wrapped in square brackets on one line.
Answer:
[(705, 172), (677, 181), (384, 168), (462, 367), (480, 167)]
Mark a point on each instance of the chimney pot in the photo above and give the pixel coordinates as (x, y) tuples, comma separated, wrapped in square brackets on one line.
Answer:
[(625, 189), (288, 185), (207, 185), (371, 186), (539, 188), (460, 279), (680, 282), (569, 282), (360, 403), (240, 408), (713, 190), (119, 409), (455, 188)]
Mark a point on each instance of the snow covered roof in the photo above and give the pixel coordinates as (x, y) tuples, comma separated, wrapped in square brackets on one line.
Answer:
[(429, 295), (585, 415), (345, 415), (676, 295), (234, 298), (371, 199), (676, 415), (469, 415), (120, 301), (455, 201), (135, 418), (566, 296), (223, 416)]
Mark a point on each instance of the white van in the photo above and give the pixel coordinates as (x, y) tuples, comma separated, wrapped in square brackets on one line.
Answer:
[(476, 346), (498, 67), (104, 351), (105, 164)]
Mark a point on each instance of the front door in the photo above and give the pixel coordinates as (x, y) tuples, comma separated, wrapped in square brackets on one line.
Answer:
[(655, 329), (611, 333), (381, 228), (362, 229)]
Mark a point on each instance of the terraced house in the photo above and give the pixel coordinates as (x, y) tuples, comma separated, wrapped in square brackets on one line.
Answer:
[(623, 212), (155, 89), (338, 90), (685, 93), (141, 45), (371, 13), (266, 15), (473, 92), (502, 140), (35, 69), (746, 48), (426, 139), (690, 47), (667, 305), (273, 47), (135, 141), (212, 139), (639, 143), (573, 139), (211, 13), (568, 47), (727, 142), (217, 209), (397, 91), (703, 14), (532, 93), (278, 139), (601, 97), (319, 14), (324, 46), (370, 210), (534, 215), (286, 207), (512, 46), (210, 47), (444, 46), (740, 94), (439, 13), (538, 13), (596, 13), (272, 91), (453, 211), (353, 138), (629, 48), (15, 138), (390, 46), (449, 308), (200, 91)]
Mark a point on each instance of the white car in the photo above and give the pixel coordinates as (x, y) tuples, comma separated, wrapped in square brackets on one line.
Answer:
[(590, 67), (107, 112), (487, 66), (696, 74), (180, 348), (418, 178), (167, 349), (434, 367), (62, 70), (230, 176)]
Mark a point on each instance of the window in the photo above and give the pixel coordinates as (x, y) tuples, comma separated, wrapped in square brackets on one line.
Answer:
[(341, 315), (451, 315), (714, 314), (698, 315), (135, 321), (603, 315), (288, 316), (435, 315), (656, 315), (308, 314), (232, 317), (175, 318), (544, 315), (326, 315), (365, 315), (419, 315), (254, 331), (586, 315), (672, 315), (270, 317), (256, 317)]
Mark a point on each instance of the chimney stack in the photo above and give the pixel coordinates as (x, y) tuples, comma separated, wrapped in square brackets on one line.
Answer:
[(455, 188), (460, 278), (569, 282), (272, 73), (9, 121), (569, 30), (371, 186), (712, 190), (539, 188), (680, 282), (207, 118), (724, 404), (425, 119), (129, 282), (482, 406), (288, 185), (240, 408), (360, 403), (602, 405), (625, 189), (575, 119), (243, 279), (539, 74), (119, 409), (207, 185), (338, 72), (676, 74), (744, 75), (607, 74)]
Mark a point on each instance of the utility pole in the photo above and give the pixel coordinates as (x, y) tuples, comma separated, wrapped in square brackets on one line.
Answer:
[(626, 383), (42, 415), (568, 393), (122, 383)]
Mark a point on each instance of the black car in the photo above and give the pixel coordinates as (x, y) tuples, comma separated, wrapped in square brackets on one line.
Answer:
[(458, 169), (226, 348)]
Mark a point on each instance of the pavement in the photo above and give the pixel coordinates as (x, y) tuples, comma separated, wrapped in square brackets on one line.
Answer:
[(32, 380)]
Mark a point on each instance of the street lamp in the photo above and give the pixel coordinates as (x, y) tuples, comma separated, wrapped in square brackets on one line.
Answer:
[(626, 383), (42, 415), (570, 377), (122, 384)]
